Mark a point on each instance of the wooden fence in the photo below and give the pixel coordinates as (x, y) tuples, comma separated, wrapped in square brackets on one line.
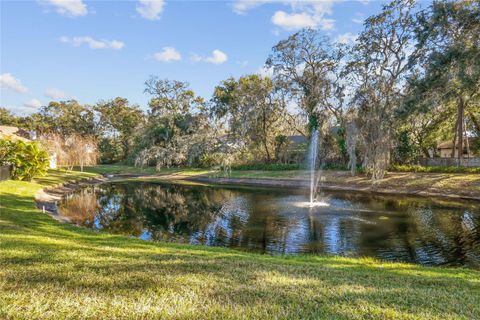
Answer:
[(448, 162)]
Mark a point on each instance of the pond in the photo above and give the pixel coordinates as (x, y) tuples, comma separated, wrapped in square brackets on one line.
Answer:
[(274, 221)]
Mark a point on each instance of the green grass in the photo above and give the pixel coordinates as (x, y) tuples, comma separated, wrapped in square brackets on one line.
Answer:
[(435, 169), (117, 168), (113, 168), (50, 270)]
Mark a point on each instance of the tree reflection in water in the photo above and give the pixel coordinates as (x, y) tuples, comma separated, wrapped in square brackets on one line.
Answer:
[(266, 220)]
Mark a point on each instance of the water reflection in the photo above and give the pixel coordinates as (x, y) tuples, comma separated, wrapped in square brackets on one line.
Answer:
[(267, 220)]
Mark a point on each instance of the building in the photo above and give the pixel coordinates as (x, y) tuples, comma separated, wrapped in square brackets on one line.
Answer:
[(18, 134), (445, 148)]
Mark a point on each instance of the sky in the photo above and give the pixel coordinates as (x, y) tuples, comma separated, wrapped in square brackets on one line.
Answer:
[(53, 50)]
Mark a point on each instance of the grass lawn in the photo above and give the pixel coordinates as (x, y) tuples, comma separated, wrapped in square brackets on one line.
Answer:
[(119, 168), (50, 270)]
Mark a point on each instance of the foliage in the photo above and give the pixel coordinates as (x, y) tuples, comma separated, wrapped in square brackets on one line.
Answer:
[(447, 78), (72, 150), (28, 160), (64, 118), (306, 67), (253, 112), (118, 120), (111, 150), (171, 97), (177, 131), (351, 141), (7, 118), (379, 63), (404, 151)]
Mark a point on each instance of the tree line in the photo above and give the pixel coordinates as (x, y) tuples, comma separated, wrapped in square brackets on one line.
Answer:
[(410, 80)]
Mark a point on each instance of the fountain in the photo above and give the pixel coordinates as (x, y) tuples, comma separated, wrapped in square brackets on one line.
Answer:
[(312, 166)]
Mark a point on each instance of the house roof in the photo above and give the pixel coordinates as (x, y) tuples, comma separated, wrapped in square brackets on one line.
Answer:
[(14, 133), (296, 139), (449, 144), (445, 145)]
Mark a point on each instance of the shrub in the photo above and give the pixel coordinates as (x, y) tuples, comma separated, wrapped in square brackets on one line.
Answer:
[(28, 159)]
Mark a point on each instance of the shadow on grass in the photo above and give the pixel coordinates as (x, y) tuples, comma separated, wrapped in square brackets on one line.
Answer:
[(228, 280), (70, 260)]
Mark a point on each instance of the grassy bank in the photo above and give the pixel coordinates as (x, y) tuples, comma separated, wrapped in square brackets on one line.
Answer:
[(50, 270), (461, 184)]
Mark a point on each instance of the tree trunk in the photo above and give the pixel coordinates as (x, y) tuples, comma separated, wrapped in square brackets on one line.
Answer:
[(455, 130), (466, 140), (461, 108), (425, 152), (125, 149), (265, 144)]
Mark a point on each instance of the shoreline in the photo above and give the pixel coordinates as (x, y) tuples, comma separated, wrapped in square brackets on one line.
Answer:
[(47, 199), (297, 183), (304, 184)]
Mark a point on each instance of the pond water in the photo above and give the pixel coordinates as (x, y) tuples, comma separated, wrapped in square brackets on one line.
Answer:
[(412, 229)]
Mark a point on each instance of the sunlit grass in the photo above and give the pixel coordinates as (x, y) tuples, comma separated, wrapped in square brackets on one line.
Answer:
[(50, 270)]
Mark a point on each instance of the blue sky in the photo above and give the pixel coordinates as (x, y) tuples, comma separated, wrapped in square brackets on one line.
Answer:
[(92, 50)]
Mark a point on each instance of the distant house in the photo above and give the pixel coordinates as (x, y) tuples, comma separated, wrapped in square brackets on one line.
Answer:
[(18, 134), (445, 148)]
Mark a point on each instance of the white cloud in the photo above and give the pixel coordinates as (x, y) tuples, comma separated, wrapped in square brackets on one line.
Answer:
[(217, 57), (34, 104), (73, 8), (293, 21), (168, 54), (93, 43), (55, 94), (9, 82), (242, 6), (150, 9), (346, 38), (303, 13)]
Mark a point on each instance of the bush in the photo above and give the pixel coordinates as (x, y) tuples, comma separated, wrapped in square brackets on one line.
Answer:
[(28, 159), (434, 169)]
